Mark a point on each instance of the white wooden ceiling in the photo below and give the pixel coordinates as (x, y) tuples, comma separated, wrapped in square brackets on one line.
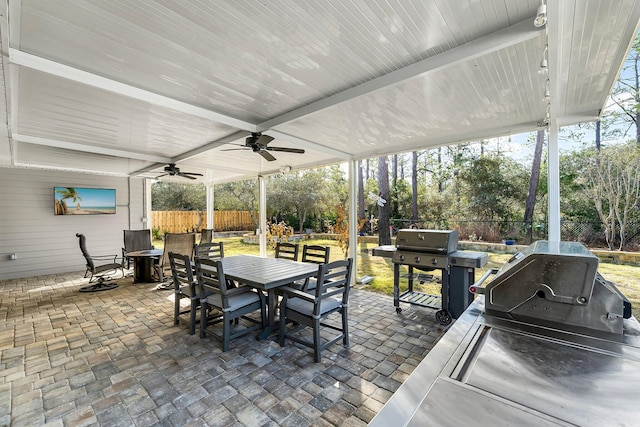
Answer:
[(123, 87)]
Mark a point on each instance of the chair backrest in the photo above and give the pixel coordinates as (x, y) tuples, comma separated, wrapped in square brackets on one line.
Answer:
[(333, 279), (315, 254), (179, 243), (137, 240), (286, 250), (182, 271), (211, 250), (206, 235), (210, 276), (83, 247)]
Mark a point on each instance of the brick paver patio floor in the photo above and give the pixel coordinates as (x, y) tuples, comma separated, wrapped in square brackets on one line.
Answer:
[(114, 358)]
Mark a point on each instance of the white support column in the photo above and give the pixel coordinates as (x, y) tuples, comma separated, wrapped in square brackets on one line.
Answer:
[(262, 214), (148, 219), (353, 216), (554, 183), (210, 198)]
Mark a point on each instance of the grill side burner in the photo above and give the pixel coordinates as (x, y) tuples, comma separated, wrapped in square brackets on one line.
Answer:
[(428, 250)]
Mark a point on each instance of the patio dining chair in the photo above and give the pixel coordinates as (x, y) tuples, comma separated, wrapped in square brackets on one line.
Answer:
[(234, 303), (315, 254), (99, 268), (286, 250), (210, 250), (185, 287), (136, 240), (306, 308), (179, 243)]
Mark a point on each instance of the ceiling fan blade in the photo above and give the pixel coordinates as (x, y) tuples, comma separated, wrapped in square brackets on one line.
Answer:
[(184, 175), (286, 149), (266, 155), (160, 176), (191, 173), (263, 140)]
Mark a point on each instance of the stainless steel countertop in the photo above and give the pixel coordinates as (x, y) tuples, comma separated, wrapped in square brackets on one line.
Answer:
[(488, 371)]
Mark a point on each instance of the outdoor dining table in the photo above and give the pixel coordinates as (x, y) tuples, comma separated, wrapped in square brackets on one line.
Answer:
[(143, 264), (266, 274)]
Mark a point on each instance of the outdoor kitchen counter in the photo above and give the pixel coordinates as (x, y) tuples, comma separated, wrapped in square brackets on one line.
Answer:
[(488, 371)]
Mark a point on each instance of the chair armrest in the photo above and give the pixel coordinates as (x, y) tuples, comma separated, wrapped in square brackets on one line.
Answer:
[(292, 292), (105, 258)]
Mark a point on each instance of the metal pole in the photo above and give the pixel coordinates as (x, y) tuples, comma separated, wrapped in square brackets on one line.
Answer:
[(554, 183), (262, 214), (353, 216), (210, 199)]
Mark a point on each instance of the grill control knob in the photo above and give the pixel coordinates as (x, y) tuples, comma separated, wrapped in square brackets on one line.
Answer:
[(434, 261), (401, 257), (417, 259)]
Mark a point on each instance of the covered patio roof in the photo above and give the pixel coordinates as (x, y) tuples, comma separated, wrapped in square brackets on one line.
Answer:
[(124, 88)]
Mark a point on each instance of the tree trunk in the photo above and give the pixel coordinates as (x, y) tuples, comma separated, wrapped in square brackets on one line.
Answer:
[(439, 169), (302, 218), (384, 234), (598, 135), (414, 187), (533, 184), (637, 99)]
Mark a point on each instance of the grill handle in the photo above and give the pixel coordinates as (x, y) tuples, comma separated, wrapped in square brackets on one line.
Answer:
[(477, 288)]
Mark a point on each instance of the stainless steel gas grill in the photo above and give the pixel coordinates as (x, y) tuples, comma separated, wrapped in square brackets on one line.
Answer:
[(548, 341), (428, 250)]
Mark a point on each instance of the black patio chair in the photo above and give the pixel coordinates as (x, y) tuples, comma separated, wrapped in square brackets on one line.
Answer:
[(312, 307), (100, 268), (286, 250), (185, 287), (316, 254), (136, 240), (234, 303), (210, 250)]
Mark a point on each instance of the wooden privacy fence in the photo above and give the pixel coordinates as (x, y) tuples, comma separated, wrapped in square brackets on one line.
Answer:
[(183, 221)]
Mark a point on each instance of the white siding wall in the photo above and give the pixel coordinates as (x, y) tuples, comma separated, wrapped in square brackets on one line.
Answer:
[(45, 243)]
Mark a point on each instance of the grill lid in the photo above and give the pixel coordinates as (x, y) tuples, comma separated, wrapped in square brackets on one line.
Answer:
[(430, 241), (556, 283)]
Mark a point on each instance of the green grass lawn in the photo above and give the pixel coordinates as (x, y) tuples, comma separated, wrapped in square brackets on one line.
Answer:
[(626, 277)]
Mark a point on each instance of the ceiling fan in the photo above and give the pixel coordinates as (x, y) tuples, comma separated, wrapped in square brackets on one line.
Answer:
[(257, 142), (172, 170)]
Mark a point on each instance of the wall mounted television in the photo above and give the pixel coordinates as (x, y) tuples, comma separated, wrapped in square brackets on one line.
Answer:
[(84, 201)]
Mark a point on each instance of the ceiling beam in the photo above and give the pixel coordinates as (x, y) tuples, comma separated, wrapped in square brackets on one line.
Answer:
[(303, 143), (34, 62), (88, 148), (513, 35), (198, 150)]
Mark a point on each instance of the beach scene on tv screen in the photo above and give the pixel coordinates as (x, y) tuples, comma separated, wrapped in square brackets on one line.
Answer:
[(84, 201)]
